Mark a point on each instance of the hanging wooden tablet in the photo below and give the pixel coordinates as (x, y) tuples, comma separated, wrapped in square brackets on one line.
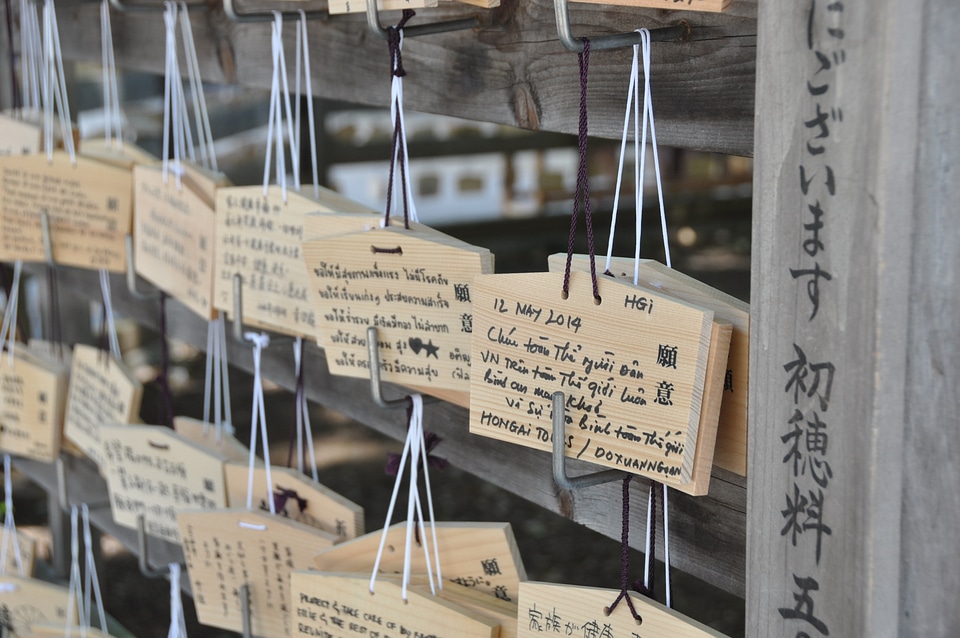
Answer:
[(360, 6), (28, 553), (205, 435), (414, 287), (110, 152), (25, 601), (53, 630), (89, 204), (546, 608), (174, 236), (258, 237), (340, 605), (18, 136), (708, 6), (731, 447), (633, 369), (479, 556), (227, 549), (32, 399), (502, 611), (153, 471), (304, 500), (101, 390)]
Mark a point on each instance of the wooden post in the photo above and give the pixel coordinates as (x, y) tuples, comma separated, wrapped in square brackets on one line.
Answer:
[(853, 499)]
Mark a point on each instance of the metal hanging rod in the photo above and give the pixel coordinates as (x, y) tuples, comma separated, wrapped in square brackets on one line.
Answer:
[(677, 33), (151, 7), (266, 15), (445, 26)]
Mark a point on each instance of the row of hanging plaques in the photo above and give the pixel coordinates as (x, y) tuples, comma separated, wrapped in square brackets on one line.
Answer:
[(649, 371)]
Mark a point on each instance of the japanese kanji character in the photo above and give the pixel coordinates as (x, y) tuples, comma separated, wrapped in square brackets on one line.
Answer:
[(804, 607)]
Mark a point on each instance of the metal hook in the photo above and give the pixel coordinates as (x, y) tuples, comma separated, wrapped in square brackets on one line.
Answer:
[(376, 391), (560, 458), (237, 319), (444, 26), (143, 558), (47, 241), (245, 610), (679, 32), (231, 12), (62, 485), (132, 275)]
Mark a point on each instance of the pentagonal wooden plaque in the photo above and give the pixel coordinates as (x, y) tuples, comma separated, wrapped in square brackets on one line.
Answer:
[(174, 238), (340, 605), (26, 601), (304, 500), (33, 394), (633, 369), (480, 556), (414, 287), (102, 390), (731, 449), (154, 472), (89, 204), (229, 548)]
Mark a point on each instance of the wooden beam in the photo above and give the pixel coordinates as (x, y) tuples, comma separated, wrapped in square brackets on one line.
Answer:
[(858, 128), (512, 70), (707, 533)]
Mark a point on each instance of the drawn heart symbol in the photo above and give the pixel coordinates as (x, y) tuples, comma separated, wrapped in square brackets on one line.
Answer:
[(416, 344)]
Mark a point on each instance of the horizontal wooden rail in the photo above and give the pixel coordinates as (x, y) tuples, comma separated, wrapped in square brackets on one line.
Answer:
[(511, 70), (708, 535)]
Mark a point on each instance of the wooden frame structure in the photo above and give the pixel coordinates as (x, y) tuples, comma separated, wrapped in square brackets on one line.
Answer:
[(871, 549)]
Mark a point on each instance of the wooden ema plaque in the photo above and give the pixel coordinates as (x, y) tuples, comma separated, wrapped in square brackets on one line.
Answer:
[(174, 238), (153, 471), (19, 136), (102, 390), (28, 553), (502, 611), (706, 6), (25, 601), (307, 501), (205, 435), (633, 370), (259, 238), (731, 447), (340, 605), (32, 399), (89, 206), (480, 556), (414, 287), (360, 6), (111, 153), (546, 608), (226, 549), (53, 630)]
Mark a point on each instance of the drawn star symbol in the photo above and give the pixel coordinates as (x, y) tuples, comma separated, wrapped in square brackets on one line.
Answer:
[(431, 349)]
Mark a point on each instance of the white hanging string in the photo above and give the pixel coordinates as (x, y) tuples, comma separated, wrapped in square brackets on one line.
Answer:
[(178, 625), (112, 122), (9, 525), (304, 429), (648, 115), (217, 380), (413, 447), (171, 77), (204, 132), (31, 51), (91, 585), (396, 111), (308, 82), (8, 329), (275, 128), (258, 421), (73, 594), (110, 326), (56, 85), (647, 558)]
